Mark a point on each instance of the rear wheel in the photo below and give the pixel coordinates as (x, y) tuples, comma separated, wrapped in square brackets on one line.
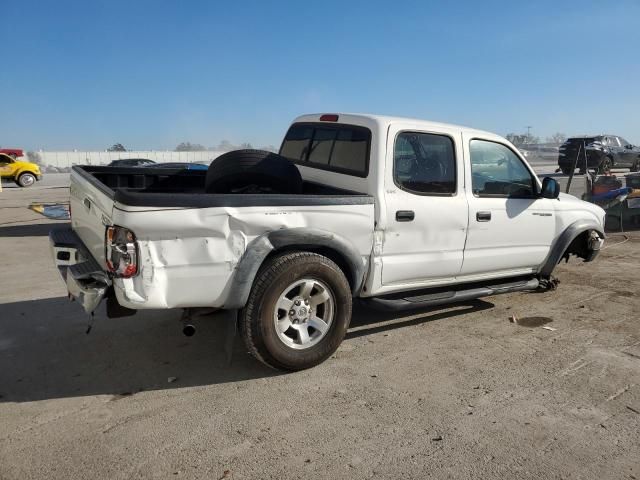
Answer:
[(298, 311), (26, 179), (565, 170)]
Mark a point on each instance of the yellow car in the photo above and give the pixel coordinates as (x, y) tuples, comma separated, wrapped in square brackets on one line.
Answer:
[(23, 172)]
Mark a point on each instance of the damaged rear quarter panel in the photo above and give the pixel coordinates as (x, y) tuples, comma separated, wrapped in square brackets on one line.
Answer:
[(188, 256)]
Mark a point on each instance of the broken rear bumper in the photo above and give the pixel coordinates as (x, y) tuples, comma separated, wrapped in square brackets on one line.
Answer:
[(86, 281)]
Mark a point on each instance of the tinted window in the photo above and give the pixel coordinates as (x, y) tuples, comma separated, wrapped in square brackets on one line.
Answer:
[(424, 163), (296, 143), (342, 148), (496, 170), (350, 150), (321, 145)]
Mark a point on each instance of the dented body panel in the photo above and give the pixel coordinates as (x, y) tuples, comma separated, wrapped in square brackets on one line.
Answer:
[(189, 256)]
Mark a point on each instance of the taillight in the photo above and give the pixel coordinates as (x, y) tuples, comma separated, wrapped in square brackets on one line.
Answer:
[(121, 251), (329, 117)]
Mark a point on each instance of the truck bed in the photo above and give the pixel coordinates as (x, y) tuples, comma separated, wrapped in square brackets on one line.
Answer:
[(168, 187), (191, 242)]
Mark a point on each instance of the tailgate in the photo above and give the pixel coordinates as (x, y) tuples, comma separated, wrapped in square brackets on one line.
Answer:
[(91, 207)]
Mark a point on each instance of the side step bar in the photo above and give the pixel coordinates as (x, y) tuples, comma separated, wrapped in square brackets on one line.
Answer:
[(451, 296)]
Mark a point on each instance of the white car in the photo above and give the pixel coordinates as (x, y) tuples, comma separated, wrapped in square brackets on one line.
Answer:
[(400, 212)]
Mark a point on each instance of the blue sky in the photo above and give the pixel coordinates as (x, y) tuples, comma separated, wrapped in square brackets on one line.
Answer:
[(151, 74)]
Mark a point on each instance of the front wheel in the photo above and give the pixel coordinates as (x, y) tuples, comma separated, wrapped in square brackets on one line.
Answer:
[(298, 311), (26, 179)]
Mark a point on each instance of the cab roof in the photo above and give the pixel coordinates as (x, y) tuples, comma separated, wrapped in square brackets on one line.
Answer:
[(382, 122)]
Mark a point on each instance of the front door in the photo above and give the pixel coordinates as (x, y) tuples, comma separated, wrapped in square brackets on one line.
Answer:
[(510, 227), (426, 208), (628, 156)]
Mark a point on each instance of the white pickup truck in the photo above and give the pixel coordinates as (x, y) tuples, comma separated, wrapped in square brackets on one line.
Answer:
[(400, 212)]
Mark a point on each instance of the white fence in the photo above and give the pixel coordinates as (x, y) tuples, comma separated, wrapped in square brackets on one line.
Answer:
[(68, 159)]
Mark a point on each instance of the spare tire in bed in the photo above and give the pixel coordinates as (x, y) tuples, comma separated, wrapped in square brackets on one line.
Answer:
[(253, 171)]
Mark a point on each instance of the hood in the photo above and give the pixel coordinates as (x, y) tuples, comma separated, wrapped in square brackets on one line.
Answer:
[(26, 163)]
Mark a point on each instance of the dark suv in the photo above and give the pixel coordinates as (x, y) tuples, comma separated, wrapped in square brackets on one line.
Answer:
[(603, 152)]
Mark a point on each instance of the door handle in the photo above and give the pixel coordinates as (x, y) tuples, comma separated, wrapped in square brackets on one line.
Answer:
[(483, 216), (87, 203), (405, 215)]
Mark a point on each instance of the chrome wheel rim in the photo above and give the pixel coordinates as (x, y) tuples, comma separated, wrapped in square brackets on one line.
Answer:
[(303, 313), (27, 180)]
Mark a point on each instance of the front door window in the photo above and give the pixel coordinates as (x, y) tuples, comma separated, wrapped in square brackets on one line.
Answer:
[(498, 172)]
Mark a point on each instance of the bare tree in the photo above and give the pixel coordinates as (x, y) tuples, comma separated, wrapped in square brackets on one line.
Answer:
[(557, 138), (34, 157), (517, 139), (190, 147), (225, 146), (116, 147)]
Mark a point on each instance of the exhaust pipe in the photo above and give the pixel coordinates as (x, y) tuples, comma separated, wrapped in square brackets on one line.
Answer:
[(189, 330)]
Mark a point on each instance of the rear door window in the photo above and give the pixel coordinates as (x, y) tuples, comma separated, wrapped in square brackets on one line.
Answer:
[(340, 148), (424, 163)]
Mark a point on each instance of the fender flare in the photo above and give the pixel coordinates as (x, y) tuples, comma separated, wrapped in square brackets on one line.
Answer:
[(564, 240), (19, 172), (258, 250)]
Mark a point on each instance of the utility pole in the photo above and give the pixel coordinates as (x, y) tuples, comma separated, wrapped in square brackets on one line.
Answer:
[(528, 127)]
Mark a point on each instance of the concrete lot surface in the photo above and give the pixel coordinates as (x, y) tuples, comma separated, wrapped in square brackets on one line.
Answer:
[(455, 392)]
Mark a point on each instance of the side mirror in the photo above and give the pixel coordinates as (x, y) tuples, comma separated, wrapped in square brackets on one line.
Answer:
[(550, 188), (629, 147)]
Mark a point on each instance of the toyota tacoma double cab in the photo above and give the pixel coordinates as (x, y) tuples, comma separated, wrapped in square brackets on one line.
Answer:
[(397, 212)]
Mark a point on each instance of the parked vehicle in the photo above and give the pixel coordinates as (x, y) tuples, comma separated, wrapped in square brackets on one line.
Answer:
[(23, 172), (603, 152), (400, 213), (181, 165), (13, 152), (131, 162)]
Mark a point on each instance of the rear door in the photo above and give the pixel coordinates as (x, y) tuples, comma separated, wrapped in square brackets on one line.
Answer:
[(510, 227), (91, 207), (426, 209)]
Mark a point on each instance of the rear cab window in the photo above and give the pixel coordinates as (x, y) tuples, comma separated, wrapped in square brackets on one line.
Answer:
[(339, 148)]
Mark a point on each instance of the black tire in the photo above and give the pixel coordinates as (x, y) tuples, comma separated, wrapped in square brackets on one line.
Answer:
[(565, 170), (256, 320), (253, 171), (26, 179)]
